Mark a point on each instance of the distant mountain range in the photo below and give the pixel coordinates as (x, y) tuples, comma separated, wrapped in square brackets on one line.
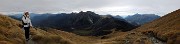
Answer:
[(140, 19), (88, 22), (82, 23), (136, 19), (164, 30)]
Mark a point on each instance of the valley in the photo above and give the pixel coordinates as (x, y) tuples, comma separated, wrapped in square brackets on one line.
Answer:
[(90, 28)]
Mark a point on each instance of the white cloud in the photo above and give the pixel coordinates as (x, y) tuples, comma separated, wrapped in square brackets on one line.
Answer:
[(120, 7)]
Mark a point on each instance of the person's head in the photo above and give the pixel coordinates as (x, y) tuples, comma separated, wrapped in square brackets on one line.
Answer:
[(26, 13)]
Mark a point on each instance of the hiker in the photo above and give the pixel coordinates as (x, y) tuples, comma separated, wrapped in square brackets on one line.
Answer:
[(26, 21)]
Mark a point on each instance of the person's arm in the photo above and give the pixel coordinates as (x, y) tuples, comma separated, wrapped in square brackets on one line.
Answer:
[(23, 20), (31, 24)]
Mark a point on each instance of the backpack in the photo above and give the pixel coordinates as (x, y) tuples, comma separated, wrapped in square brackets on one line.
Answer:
[(23, 22)]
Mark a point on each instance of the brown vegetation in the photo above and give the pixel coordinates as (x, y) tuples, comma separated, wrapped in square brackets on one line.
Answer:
[(162, 30), (10, 32), (165, 28), (42, 37)]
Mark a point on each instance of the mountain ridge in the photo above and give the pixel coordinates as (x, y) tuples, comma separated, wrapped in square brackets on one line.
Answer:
[(160, 31), (82, 23)]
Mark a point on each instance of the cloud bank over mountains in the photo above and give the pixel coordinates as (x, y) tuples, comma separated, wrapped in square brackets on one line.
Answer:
[(114, 7)]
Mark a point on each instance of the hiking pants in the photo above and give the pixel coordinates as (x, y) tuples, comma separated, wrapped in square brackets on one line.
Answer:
[(27, 32)]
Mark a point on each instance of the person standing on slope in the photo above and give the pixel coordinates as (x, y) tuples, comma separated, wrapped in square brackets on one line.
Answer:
[(26, 21)]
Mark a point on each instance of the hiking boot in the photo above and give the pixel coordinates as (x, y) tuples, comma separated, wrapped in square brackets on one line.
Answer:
[(27, 39)]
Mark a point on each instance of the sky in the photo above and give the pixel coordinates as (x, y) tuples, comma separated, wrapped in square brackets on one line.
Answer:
[(103, 7)]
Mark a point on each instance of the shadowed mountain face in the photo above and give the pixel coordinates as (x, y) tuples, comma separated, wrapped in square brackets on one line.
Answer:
[(164, 30), (82, 23), (85, 23), (140, 19)]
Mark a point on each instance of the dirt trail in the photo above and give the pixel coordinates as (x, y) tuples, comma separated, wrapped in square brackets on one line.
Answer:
[(30, 41), (155, 40)]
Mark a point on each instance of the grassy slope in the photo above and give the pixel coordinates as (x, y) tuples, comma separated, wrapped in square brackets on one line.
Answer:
[(165, 28), (54, 36), (10, 32)]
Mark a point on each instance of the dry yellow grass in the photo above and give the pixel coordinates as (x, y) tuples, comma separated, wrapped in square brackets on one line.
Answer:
[(73, 38), (10, 32), (53, 36), (126, 38), (165, 28), (42, 37)]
